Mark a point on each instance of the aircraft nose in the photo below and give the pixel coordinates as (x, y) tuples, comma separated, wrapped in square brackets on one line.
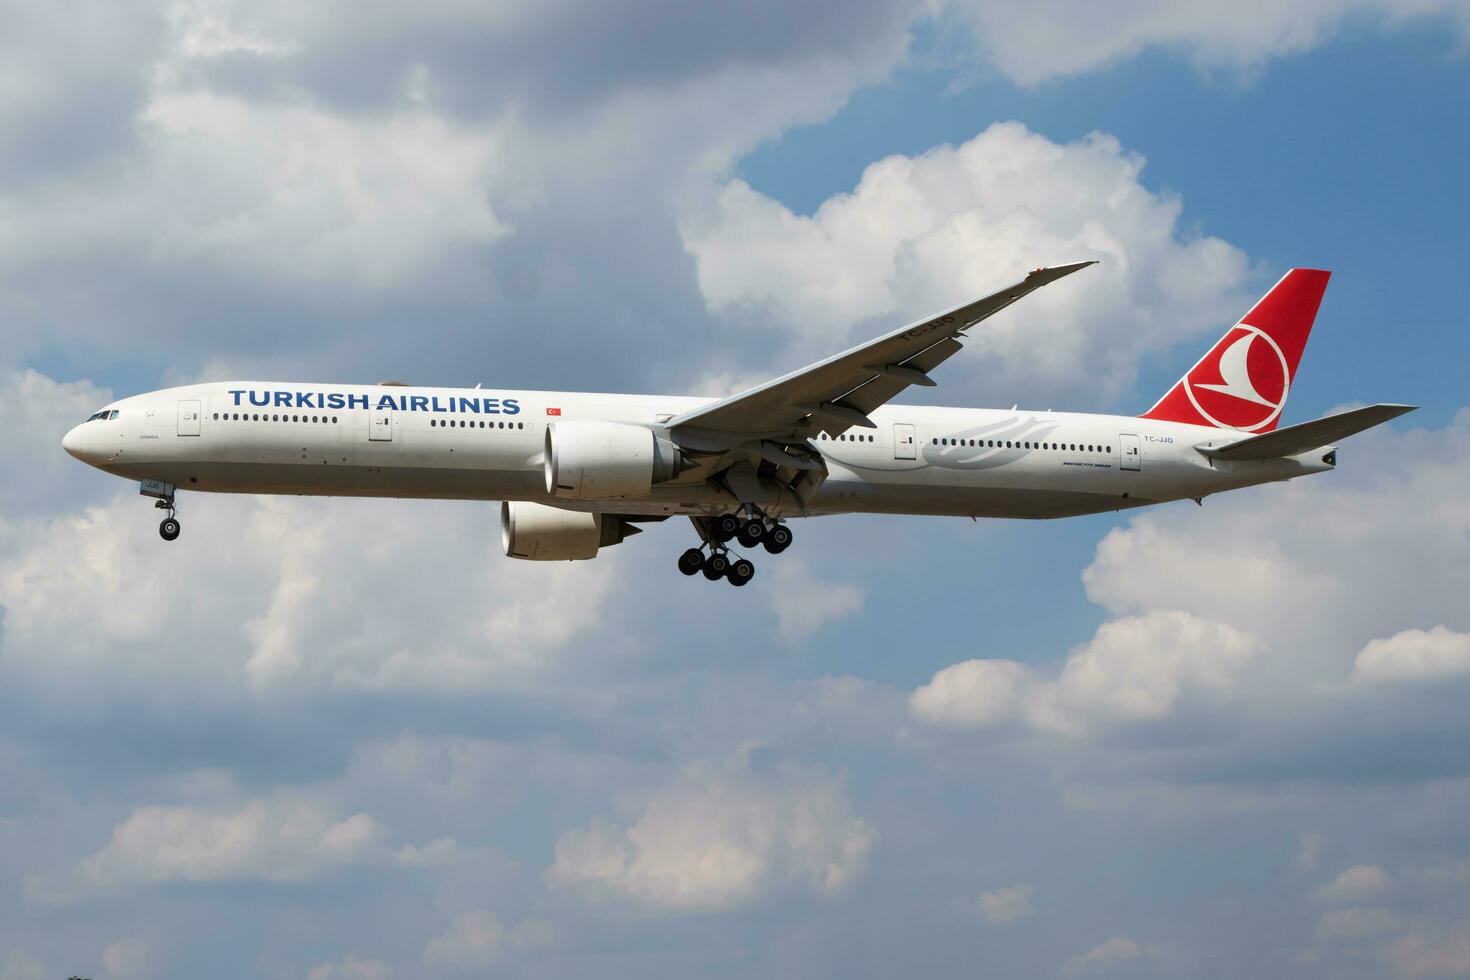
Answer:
[(81, 444), (72, 442)]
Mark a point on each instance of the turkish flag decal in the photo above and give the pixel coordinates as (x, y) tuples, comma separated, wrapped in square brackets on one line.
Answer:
[(553, 411)]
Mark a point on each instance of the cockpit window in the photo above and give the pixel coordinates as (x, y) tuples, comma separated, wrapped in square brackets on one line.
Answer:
[(102, 416)]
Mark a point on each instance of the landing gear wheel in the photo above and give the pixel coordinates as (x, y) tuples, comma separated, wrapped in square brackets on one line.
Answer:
[(691, 561), (777, 539), (168, 529), (741, 572), (716, 566), (725, 527), (751, 533)]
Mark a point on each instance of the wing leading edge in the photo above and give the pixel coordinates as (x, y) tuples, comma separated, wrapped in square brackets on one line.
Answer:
[(839, 392)]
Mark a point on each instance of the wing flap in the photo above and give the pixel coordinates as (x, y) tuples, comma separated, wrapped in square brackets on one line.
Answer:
[(1306, 436)]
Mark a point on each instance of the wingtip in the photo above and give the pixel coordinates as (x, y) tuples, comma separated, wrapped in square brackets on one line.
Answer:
[(1057, 271)]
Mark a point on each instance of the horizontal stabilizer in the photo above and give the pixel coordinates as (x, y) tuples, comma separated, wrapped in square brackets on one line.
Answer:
[(1307, 436)]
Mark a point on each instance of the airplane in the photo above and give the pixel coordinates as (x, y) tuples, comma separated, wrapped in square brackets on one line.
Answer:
[(577, 472)]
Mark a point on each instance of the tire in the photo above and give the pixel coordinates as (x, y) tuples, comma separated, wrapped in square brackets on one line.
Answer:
[(741, 572), (691, 561), (716, 566), (746, 539), (725, 527), (168, 529), (778, 539)]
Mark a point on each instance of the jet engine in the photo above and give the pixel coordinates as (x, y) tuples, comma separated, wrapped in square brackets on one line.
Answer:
[(593, 460), (537, 532)]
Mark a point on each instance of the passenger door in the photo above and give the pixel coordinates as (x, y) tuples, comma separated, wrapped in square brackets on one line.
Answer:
[(380, 427), (1132, 455), (903, 441), (189, 417)]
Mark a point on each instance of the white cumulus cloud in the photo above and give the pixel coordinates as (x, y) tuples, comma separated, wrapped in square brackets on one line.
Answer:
[(1105, 957), (283, 839), (1354, 886), (1414, 655), (1006, 905), (720, 837), (919, 234), (1135, 669)]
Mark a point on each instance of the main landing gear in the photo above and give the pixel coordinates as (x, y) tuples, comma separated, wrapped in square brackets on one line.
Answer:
[(753, 529)]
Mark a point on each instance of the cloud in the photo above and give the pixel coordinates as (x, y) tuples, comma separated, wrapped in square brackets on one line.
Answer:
[(20, 964), (91, 593), (972, 694), (1006, 905), (720, 837), (351, 967), (40, 410), (126, 958), (1353, 925), (1308, 852), (805, 603), (1104, 957), (1431, 955), (471, 943), (1134, 670), (922, 233), (1354, 886), (1035, 43), (1414, 655), (281, 840)]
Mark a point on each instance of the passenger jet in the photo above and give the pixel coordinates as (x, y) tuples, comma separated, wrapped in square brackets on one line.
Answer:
[(578, 472)]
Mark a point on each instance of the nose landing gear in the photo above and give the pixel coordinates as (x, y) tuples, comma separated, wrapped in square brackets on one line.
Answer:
[(168, 528)]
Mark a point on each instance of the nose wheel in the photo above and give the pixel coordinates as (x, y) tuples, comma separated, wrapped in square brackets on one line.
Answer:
[(168, 528)]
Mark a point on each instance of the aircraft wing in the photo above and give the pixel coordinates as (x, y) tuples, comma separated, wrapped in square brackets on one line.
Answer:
[(839, 392), (1306, 436)]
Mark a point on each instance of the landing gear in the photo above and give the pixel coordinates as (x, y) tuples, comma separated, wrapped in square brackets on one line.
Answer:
[(725, 527), (168, 528), (741, 571), (691, 561), (751, 532), (716, 566), (754, 528)]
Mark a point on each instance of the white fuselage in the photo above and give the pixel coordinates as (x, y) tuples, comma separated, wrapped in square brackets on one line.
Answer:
[(482, 444)]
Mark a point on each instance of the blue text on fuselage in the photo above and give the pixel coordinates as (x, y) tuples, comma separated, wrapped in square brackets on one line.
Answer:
[(479, 405)]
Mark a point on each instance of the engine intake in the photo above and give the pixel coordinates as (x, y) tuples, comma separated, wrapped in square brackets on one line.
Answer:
[(537, 532), (592, 460)]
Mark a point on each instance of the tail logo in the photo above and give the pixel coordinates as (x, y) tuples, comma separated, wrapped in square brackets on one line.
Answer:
[(1241, 384)]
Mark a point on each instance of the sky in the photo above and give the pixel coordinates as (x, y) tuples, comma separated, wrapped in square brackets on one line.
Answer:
[(349, 740)]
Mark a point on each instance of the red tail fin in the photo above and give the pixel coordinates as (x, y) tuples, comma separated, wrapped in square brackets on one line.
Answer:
[(1242, 383)]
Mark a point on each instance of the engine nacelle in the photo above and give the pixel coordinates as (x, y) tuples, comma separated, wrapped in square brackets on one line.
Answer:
[(537, 532), (592, 460)]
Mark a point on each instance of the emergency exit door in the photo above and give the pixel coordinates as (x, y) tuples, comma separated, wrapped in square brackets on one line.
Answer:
[(380, 426), (1132, 457), (903, 441), (189, 417)]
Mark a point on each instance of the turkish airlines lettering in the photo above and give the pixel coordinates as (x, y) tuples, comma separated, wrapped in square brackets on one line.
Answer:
[(579, 472)]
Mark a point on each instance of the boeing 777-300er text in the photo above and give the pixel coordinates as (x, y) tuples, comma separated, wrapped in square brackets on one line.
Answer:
[(577, 472)]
